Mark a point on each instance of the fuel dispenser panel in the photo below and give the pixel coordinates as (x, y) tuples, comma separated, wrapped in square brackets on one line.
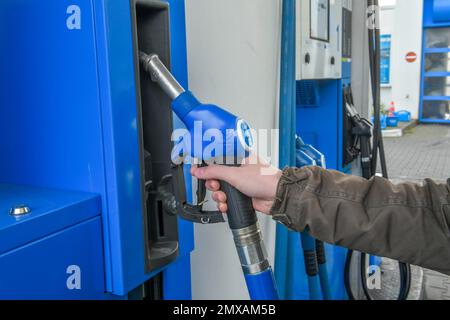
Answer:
[(319, 48), (323, 59), (89, 122), (155, 113)]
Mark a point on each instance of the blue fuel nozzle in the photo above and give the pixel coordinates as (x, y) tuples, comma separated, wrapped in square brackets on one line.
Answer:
[(214, 132)]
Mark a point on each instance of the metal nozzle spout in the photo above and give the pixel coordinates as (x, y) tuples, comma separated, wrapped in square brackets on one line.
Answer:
[(161, 75)]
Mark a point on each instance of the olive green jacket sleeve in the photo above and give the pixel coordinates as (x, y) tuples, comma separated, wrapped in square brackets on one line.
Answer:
[(406, 222)]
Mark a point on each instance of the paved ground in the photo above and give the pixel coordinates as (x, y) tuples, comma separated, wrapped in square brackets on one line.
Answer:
[(424, 152), (390, 282)]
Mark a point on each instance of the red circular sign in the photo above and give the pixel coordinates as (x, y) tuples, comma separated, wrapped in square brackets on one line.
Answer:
[(411, 57)]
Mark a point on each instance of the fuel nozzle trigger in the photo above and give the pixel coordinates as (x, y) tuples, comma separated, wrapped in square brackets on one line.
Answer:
[(173, 192)]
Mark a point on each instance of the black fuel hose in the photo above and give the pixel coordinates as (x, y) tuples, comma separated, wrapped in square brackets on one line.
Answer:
[(378, 146)]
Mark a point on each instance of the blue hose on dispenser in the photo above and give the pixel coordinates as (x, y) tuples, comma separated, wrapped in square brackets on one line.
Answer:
[(323, 271), (312, 268), (261, 286), (313, 250)]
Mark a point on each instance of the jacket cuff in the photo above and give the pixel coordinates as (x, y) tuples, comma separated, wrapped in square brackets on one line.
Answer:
[(285, 209)]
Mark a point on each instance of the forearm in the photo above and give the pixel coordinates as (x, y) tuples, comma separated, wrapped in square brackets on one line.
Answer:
[(406, 222)]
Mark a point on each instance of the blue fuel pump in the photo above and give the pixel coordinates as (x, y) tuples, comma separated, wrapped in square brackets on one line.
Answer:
[(242, 219)]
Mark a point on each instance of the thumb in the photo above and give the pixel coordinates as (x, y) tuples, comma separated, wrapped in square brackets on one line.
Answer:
[(214, 172)]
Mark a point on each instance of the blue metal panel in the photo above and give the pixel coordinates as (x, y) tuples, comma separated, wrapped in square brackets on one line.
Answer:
[(435, 121), (78, 118), (51, 90), (435, 98), (51, 211), (435, 12), (124, 246), (437, 74), (441, 11), (321, 127), (435, 50), (385, 59), (347, 70), (69, 119), (436, 15), (422, 79), (177, 277), (50, 102), (39, 270)]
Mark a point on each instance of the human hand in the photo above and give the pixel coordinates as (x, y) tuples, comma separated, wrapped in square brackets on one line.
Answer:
[(256, 179)]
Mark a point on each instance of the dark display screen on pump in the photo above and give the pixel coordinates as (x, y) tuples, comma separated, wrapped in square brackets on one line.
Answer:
[(320, 20)]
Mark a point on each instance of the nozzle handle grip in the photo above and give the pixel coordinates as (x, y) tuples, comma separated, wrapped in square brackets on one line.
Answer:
[(241, 213)]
